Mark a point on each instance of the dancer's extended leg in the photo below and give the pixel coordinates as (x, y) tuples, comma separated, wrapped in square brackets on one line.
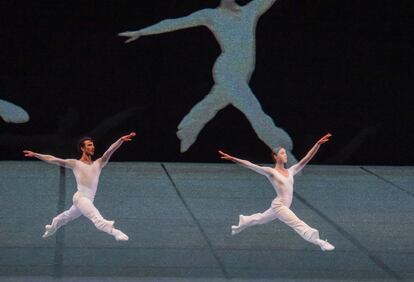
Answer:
[(61, 219), (200, 114), (308, 233), (254, 219), (88, 209)]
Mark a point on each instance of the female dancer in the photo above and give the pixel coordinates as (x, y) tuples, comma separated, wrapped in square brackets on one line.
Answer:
[(86, 174), (282, 181)]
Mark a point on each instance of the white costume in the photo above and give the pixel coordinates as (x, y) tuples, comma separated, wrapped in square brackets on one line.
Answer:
[(87, 178), (280, 207)]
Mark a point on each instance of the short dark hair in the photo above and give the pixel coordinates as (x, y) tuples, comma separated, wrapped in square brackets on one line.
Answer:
[(275, 151), (81, 142)]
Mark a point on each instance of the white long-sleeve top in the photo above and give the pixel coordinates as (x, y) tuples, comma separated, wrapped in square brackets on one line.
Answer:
[(283, 185), (86, 175)]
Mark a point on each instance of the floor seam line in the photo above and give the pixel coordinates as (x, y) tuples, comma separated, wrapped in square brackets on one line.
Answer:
[(350, 238), (223, 270)]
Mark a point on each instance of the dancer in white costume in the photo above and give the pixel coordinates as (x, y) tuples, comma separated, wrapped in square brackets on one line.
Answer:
[(234, 28), (282, 181), (87, 174)]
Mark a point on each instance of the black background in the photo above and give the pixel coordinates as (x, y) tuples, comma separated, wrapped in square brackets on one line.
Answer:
[(337, 66)]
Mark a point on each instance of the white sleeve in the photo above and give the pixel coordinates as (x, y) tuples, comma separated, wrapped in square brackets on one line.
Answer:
[(259, 169), (68, 163), (296, 168), (108, 153)]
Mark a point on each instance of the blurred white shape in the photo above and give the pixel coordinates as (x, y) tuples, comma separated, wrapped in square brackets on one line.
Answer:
[(234, 28), (12, 113)]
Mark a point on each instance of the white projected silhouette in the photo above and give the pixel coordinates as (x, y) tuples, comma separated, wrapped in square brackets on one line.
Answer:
[(234, 28), (11, 113)]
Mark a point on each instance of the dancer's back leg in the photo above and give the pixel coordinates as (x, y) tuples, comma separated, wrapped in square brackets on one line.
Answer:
[(61, 219), (254, 219)]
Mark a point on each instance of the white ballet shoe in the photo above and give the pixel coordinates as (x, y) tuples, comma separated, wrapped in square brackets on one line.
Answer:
[(235, 230), (239, 228), (50, 230), (325, 245), (119, 235)]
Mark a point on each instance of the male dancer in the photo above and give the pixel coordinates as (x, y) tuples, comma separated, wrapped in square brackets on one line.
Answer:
[(282, 181), (234, 28), (86, 174)]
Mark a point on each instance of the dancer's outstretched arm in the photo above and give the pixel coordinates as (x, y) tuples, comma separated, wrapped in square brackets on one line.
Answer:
[(195, 19), (259, 169), (301, 164), (69, 163), (107, 155), (261, 6)]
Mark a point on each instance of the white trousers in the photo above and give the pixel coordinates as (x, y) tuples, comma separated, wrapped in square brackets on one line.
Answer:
[(280, 211), (83, 206)]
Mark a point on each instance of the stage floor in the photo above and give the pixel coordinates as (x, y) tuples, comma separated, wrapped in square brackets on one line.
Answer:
[(178, 218)]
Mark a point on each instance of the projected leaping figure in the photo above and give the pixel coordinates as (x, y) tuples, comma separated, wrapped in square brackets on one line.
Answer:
[(234, 28), (12, 113)]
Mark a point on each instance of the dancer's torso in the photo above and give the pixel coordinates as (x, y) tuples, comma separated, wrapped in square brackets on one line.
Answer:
[(283, 186), (87, 178)]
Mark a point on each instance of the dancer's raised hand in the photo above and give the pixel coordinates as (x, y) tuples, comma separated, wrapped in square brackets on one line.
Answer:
[(133, 35), (225, 156), (324, 139), (128, 137), (29, 154)]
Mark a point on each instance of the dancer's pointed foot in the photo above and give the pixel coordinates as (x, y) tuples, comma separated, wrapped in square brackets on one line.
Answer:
[(119, 235), (235, 230), (239, 228), (50, 230), (325, 245)]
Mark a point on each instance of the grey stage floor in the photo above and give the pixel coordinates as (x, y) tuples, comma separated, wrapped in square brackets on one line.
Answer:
[(178, 218)]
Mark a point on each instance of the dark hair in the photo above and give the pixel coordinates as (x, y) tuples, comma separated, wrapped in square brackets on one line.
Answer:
[(275, 151), (81, 142)]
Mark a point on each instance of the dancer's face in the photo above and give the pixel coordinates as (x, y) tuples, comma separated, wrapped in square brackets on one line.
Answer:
[(281, 156), (88, 148)]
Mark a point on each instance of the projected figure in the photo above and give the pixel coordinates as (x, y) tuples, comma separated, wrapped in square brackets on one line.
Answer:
[(11, 113), (234, 28), (282, 181), (87, 174)]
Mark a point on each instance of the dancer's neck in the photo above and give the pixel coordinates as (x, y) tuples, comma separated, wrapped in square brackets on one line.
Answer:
[(280, 166), (86, 158)]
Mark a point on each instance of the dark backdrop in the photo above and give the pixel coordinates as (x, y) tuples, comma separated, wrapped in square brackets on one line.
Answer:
[(337, 66)]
